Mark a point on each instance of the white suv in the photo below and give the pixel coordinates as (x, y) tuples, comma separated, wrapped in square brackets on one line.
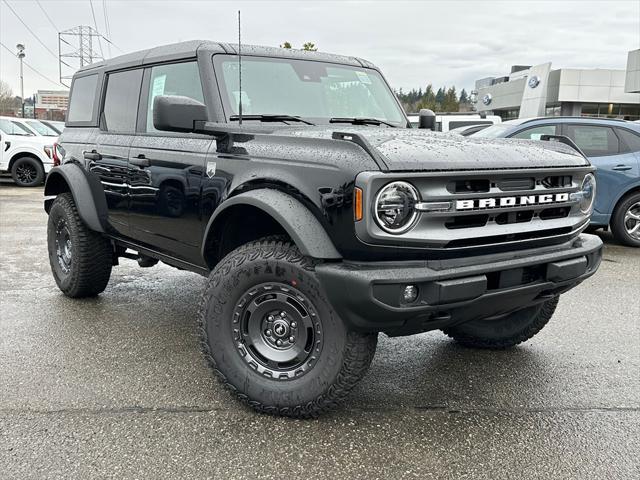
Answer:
[(27, 157)]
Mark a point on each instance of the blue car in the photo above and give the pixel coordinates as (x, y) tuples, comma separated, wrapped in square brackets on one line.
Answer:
[(613, 147)]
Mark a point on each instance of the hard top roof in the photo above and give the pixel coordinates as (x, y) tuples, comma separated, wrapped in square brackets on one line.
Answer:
[(189, 49)]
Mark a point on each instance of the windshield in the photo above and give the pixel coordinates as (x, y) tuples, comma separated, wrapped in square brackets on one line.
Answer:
[(41, 128), (315, 91), (494, 131), (13, 128)]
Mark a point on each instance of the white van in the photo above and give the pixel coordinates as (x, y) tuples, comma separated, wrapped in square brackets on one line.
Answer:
[(449, 121)]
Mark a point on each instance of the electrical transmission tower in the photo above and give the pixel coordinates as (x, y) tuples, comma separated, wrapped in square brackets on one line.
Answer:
[(77, 45)]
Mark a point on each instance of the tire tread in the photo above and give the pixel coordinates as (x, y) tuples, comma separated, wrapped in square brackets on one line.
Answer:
[(359, 350)]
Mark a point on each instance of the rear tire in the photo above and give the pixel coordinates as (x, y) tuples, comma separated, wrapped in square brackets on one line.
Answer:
[(272, 337), (80, 258), (504, 332), (27, 172), (625, 221)]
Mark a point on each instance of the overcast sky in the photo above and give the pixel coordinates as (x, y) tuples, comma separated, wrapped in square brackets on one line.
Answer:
[(414, 42)]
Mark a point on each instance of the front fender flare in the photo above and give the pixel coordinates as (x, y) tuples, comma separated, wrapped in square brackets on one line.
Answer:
[(300, 224), (87, 192)]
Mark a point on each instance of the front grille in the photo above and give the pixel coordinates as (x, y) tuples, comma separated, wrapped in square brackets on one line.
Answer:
[(486, 208)]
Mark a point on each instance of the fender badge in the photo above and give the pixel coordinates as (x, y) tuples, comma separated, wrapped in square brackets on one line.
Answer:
[(211, 169)]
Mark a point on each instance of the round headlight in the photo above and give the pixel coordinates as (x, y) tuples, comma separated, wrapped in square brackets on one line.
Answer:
[(395, 207), (588, 193)]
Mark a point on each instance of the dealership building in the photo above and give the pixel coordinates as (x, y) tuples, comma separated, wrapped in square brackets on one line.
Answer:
[(530, 91)]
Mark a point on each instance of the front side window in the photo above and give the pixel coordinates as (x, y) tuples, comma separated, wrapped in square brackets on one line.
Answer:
[(13, 128), (315, 91), (83, 93), (594, 140), (630, 140), (121, 101), (177, 79), (534, 133)]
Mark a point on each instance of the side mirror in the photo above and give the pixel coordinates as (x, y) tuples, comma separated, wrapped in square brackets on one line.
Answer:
[(427, 119), (175, 113)]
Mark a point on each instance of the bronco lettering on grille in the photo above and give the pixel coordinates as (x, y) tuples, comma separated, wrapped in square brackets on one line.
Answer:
[(502, 202)]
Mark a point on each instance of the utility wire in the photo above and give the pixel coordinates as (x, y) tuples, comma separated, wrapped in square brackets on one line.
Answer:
[(31, 68), (106, 24), (48, 17), (95, 24), (30, 31)]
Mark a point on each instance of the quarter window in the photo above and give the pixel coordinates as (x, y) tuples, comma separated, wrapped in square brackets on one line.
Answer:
[(83, 94), (121, 101), (593, 140), (534, 133), (177, 79)]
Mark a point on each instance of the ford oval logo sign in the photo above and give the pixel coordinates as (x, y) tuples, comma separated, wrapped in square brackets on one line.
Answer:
[(534, 81), (487, 99)]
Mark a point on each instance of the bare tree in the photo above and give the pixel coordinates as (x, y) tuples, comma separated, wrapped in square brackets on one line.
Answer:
[(8, 103)]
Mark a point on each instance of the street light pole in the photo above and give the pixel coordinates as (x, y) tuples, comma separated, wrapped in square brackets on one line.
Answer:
[(21, 55)]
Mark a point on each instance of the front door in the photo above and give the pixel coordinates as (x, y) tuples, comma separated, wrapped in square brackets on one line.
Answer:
[(109, 158), (166, 170)]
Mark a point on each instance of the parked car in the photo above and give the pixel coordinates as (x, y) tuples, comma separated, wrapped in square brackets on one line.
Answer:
[(26, 156), (318, 216), (448, 121), (35, 126), (613, 147), (469, 129), (57, 126)]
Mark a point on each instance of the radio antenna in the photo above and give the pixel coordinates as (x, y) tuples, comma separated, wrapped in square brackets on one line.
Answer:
[(239, 73)]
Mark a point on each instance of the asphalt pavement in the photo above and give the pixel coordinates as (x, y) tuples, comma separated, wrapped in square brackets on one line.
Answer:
[(116, 387)]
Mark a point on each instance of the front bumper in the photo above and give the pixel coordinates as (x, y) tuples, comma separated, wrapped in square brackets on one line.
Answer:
[(368, 296)]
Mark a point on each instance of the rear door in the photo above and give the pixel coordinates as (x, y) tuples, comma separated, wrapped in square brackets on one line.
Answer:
[(166, 169), (616, 168), (109, 158)]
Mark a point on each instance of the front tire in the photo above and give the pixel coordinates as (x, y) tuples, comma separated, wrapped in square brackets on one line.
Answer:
[(625, 222), (80, 258), (506, 331), (272, 337), (27, 172)]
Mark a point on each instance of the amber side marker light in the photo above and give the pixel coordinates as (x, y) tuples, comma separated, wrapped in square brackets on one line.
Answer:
[(357, 204)]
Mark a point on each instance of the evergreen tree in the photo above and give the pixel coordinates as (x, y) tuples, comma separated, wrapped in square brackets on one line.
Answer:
[(464, 97), (440, 95), (310, 47), (450, 103), (285, 45)]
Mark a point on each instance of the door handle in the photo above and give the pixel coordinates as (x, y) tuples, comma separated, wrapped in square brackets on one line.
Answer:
[(92, 156), (140, 161), (621, 168)]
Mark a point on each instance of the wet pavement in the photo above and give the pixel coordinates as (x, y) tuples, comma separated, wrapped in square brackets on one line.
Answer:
[(115, 387)]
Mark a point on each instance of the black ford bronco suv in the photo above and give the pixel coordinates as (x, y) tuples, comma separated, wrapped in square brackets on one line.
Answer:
[(319, 216)]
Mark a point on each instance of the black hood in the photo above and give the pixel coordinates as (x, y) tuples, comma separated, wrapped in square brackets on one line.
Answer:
[(405, 149)]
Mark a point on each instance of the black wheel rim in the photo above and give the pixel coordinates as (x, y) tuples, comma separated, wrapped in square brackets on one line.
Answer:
[(26, 173), (277, 331), (64, 249)]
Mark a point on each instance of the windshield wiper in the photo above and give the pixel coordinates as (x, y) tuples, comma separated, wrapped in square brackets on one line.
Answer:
[(361, 121), (270, 118)]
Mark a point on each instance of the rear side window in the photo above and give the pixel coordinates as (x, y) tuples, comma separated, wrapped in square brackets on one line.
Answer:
[(534, 133), (83, 94), (177, 79), (594, 140), (121, 101), (629, 139)]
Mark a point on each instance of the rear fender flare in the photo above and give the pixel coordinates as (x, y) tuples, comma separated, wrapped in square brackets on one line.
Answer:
[(87, 192)]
